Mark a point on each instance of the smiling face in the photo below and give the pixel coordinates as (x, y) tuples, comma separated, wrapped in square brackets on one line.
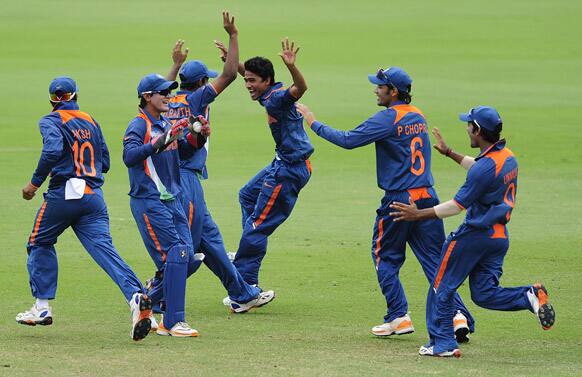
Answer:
[(385, 95), (157, 102), (255, 85)]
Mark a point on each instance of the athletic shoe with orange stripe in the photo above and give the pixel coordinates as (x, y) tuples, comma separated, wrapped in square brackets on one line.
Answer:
[(538, 299), (141, 311), (35, 316), (399, 326), (429, 351), (461, 327), (179, 330)]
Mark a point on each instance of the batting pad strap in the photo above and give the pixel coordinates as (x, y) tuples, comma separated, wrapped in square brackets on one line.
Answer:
[(447, 209), (467, 162)]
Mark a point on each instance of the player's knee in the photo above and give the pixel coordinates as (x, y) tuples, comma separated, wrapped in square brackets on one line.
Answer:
[(179, 254)]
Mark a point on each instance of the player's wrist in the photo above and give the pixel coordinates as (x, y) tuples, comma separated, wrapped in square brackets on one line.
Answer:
[(448, 152)]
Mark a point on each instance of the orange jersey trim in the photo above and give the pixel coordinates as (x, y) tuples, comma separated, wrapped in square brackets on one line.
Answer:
[(499, 158), (308, 164), (443, 267), (37, 223), (180, 98), (68, 115), (269, 205), (402, 110), (190, 213), (146, 139)]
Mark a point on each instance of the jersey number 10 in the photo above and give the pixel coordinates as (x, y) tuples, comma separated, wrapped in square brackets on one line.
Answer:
[(79, 157)]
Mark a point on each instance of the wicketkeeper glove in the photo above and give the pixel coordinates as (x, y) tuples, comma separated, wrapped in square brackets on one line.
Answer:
[(162, 141)]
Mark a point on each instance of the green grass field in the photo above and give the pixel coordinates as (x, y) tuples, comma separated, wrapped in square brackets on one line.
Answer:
[(523, 57)]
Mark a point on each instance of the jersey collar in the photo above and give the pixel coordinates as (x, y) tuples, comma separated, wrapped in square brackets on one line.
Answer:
[(495, 147), (68, 105), (152, 119), (267, 94)]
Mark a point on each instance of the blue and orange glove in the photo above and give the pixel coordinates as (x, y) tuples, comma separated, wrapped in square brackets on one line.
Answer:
[(199, 131), (162, 141)]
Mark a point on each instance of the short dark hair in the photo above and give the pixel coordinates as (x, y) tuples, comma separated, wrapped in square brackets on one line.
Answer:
[(261, 67), (192, 86), (489, 136)]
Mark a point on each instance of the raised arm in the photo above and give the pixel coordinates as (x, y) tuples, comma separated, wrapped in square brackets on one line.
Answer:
[(231, 63), (289, 55), (444, 149), (178, 57), (224, 53)]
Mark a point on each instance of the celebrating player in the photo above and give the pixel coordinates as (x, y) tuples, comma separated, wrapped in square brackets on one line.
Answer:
[(269, 197), (477, 248), (150, 152), (403, 172), (192, 100), (75, 155)]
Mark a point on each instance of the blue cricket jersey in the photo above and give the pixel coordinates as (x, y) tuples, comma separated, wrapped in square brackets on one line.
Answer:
[(151, 175), (403, 149), (490, 188), (73, 147), (184, 104), (291, 141)]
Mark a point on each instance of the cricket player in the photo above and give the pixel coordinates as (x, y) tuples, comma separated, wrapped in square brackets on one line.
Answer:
[(269, 197), (193, 99), (75, 155), (477, 248), (400, 133), (150, 152)]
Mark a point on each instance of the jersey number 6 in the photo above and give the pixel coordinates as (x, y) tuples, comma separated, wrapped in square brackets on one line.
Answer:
[(79, 157), (416, 154)]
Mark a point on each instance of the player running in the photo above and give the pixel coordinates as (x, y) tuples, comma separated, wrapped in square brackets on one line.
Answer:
[(150, 152), (400, 133), (75, 155), (477, 248), (269, 197), (193, 99)]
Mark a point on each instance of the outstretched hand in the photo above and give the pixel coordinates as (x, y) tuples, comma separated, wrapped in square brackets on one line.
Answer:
[(228, 23), (404, 212), (222, 48), (306, 112), (29, 191), (288, 52), (179, 56), (440, 144)]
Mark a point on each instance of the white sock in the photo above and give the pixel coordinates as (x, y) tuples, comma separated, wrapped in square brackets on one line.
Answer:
[(42, 303)]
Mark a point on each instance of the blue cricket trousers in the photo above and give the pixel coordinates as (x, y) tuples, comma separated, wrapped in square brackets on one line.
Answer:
[(164, 229), (474, 253), (89, 219), (425, 238), (206, 237), (266, 202)]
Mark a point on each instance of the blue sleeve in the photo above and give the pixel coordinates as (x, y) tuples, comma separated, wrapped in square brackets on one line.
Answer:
[(134, 149), (377, 127), (476, 184), (199, 99), (52, 149), (105, 160)]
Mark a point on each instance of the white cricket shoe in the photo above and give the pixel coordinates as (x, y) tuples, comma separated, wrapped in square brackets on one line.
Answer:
[(226, 301), (429, 351), (538, 299), (141, 311), (262, 299), (461, 327), (399, 326), (179, 330), (36, 316)]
